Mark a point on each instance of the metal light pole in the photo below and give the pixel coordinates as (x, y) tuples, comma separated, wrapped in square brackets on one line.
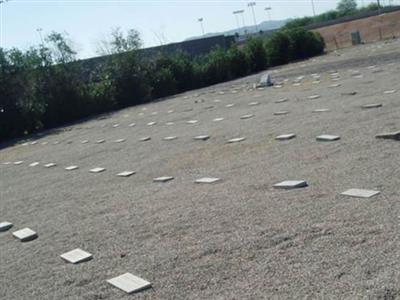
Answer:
[(201, 24), (39, 31), (313, 8), (235, 13), (268, 9), (252, 4)]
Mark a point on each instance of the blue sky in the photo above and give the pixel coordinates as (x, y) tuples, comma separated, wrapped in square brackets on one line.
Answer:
[(89, 21)]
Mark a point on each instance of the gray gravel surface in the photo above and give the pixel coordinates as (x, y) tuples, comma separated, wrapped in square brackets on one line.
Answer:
[(236, 239)]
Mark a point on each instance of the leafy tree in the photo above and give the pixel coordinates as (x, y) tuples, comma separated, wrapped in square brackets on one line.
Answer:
[(256, 54), (347, 7), (120, 42)]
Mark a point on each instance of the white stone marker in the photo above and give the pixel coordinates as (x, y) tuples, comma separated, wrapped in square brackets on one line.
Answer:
[(389, 135), (45, 143), (120, 141), (170, 138), (4, 226), (132, 124), (192, 121), (253, 103), (282, 100), (280, 113), (327, 138), (244, 117), (50, 165), (126, 173), (97, 170), (202, 137), (100, 141), (291, 184), (71, 168), (218, 119), (296, 84), (34, 164), (314, 97), (154, 113), (389, 92), (146, 138), (76, 256), (129, 283), (359, 193), (18, 162), (34, 143), (84, 142), (116, 125), (207, 180), (163, 179), (25, 235), (283, 137), (236, 140), (230, 105), (170, 111), (151, 123), (318, 110), (335, 85), (169, 123), (372, 105)]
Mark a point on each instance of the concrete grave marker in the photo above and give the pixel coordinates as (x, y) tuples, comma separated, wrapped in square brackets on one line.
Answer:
[(151, 123), (84, 142), (296, 84), (314, 97), (115, 125), (170, 111), (244, 117), (283, 137), (389, 135), (207, 180), (218, 119), (202, 137), (372, 105), (50, 165), (100, 141), (291, 184), (236, 140), (34, 164), (163, 179), (126, 173), (192, 121), (19, 162), (25, 235), (132, 125), (318, 110), (129, 283), (327, 138), (169, 123), (97, 170), (119, 141), (280, 113), (282, 100), (34, 143), (389, 92), (265, 81), (71, 168), (146, 138), (254, 103), (335, 85), (76, 256), (360, 193), (170, 138), (4, 226), (230, 105)]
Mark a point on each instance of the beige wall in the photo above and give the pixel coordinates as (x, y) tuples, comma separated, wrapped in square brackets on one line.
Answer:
[(371, 29)]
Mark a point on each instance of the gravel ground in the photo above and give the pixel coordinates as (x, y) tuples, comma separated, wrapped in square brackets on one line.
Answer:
[(236, 239)]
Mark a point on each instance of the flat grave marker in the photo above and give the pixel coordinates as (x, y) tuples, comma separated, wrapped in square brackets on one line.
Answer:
[(34, 164), (372, 105), (360, 193), (244, 117), (129, 283), (280, 113), (202, 137), (207, 180), (25, 235), (318, 110), (192, 121), (314, 97), (170, 138), (119, 141), (144, 139), (76, 256), (163, 179), (126, 173), (395, 135), (291, 184), (151, 123), (284, 137), (4, 226), (19, 162), (50, 165), (132, 124), (327, 138), (282, 100), (236, 140), (389, 92), (71, 168), (218, 119), (254, 103), (100, 141), (97, 170)]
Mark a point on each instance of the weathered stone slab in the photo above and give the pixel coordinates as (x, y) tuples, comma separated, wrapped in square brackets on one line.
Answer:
[(100, 141), (207, 180), (280, 113), (4, 226), (291, 184), (335, 85), (372, 105), (19, 162), (314, 97), (282, 100), (146, 138), (71, 168), (327, 138), (349, 93), (265, 81), (389, 92), (254, 103), (34, 164), (115, 125), (132, 124), (151, 123), (236, 140), (25, 235), (360, 193), (318, 110), (170, 138), (202, 137), (192, 121), (218, 119), (163, 179), (126, 173), (84, 142), (50, 165), (119, 141), (129, 283), (97, 170), (389, 135), (244, 117), (76, 256), (283, 137), (230, 105)]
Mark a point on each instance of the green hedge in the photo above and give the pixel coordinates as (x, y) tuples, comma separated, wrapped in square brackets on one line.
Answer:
[(42, 89)]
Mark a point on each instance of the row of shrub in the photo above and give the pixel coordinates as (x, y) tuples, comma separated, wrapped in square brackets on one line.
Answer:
[(45, 86)]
